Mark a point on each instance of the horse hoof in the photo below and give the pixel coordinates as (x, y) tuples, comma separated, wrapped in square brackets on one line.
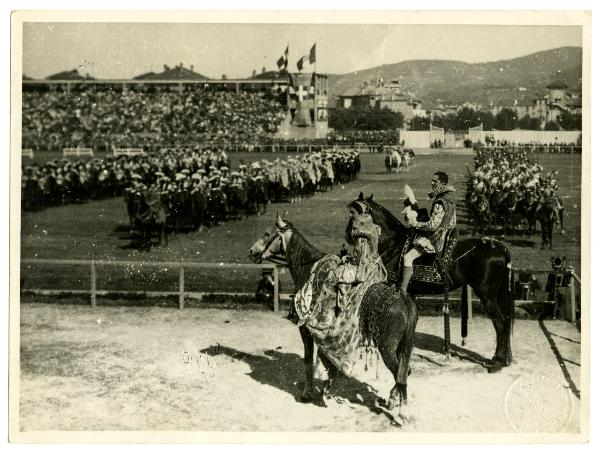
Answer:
[(494, 368), (306, 396), (393, 403)]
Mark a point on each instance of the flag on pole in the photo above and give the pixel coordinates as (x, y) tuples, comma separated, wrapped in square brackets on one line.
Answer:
[(300, 63), (312, 56), (282, 63)]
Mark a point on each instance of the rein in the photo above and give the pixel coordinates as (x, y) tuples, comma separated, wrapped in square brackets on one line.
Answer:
[(281, 260)]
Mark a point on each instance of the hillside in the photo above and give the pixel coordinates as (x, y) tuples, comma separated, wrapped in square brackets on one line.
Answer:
[(458, 82)]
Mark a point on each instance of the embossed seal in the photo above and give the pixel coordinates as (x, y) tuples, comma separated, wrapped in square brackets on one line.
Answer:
[(538, 404)]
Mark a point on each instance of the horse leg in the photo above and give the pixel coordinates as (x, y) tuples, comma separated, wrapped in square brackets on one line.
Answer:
[(502, 325), (331, 370), (309, 350), (163, 236), (561, 213)]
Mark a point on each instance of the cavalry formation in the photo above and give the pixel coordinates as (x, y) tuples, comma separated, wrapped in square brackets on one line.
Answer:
[(509, 190), (187, 190)]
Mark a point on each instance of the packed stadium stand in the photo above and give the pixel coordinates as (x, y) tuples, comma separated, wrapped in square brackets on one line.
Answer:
[(104, 116)]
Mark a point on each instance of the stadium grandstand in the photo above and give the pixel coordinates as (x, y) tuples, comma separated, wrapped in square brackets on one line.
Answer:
[(175, 107)]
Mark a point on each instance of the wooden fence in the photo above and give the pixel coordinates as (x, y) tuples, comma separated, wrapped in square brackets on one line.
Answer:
[(181, 292), (78, 152), (574, 279)]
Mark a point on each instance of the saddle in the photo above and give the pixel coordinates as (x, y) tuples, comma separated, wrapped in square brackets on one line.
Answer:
[(429, 267)]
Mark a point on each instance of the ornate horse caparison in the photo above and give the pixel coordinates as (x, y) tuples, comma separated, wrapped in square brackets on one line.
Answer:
[(283, 244)]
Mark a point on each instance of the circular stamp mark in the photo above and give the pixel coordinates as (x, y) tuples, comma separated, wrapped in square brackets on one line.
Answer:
[(199, 363), (538, 404)]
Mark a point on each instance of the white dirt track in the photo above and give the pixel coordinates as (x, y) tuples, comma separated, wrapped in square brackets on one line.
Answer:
[(126, 368)]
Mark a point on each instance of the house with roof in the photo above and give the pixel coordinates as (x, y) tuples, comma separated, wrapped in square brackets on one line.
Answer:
[(551, 106)]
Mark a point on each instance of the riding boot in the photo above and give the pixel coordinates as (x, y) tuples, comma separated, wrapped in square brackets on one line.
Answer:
[(407, 272)]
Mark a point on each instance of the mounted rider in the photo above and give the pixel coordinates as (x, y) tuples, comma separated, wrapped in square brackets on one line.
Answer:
[(431, 233), (363, 264)]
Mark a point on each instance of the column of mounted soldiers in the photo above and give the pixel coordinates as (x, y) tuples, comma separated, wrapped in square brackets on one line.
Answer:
[(196, 187), (508, 188)]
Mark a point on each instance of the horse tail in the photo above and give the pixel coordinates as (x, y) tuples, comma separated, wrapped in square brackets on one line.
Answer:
[(464, 315), (506, 299)]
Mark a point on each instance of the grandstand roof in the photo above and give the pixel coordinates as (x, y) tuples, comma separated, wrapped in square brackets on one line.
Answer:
[(143, 76), (69, 75), (272, 75), (172, 74), (557, 85)]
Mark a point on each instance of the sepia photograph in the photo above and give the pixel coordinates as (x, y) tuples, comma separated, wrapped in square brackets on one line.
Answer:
[(300, 227)]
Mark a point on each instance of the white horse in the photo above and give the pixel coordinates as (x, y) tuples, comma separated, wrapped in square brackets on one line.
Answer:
[(397, 160)]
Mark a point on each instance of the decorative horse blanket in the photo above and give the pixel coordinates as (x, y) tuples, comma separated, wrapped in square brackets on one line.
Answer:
[(340, 337)]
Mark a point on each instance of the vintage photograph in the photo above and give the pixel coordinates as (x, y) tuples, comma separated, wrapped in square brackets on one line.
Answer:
[(309, 224)]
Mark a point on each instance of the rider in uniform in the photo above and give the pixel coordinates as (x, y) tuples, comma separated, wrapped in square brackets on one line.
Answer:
[(432, 233)]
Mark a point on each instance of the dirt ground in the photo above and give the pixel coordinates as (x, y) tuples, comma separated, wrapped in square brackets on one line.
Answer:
[(241, 370)]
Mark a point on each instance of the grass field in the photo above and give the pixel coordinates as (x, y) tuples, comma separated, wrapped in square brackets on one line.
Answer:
[(99, 230)]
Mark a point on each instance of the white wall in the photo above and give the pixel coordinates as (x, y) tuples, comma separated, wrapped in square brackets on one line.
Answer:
[(416, 139), (543, 137)]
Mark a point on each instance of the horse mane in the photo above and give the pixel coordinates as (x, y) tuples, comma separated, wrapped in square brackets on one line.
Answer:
[(390, 218), (393, 232), (303, 246), (301, 255)]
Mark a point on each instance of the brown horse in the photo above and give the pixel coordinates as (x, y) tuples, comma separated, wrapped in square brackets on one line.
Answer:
[(393, 325)]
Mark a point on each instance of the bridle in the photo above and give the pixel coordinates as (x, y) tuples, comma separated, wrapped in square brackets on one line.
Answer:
[(279, 232)]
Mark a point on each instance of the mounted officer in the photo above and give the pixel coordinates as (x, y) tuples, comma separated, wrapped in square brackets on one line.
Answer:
[(432, 233)]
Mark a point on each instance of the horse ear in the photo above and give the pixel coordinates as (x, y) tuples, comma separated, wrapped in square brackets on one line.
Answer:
[(361, 196), (279, 221), (370, 198)]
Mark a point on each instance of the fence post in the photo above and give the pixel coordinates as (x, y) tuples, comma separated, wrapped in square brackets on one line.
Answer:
[(469, 302), (181, 286), (572, 296), (276, 289), (93, 283)]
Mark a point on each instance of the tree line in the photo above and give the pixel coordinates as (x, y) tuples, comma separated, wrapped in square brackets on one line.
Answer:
[(369, 118), (374, 118), (505, 119)]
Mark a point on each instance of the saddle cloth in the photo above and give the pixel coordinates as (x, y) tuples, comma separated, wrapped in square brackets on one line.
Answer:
[(339, 337), (428, 267)]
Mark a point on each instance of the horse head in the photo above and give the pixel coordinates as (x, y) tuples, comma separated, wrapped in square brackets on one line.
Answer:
[(283, 244), (392, 230), (271, 246)]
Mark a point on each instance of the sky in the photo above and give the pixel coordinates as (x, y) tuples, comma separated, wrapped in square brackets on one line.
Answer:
[(124, 50)]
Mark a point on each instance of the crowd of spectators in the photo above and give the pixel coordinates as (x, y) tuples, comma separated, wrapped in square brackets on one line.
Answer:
[(369, 137), (532, 146), (103, 117)]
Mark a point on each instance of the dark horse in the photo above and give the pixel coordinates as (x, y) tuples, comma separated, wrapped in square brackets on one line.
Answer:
[(395, 330), (546, 214), (483, 264), (149, 216)]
